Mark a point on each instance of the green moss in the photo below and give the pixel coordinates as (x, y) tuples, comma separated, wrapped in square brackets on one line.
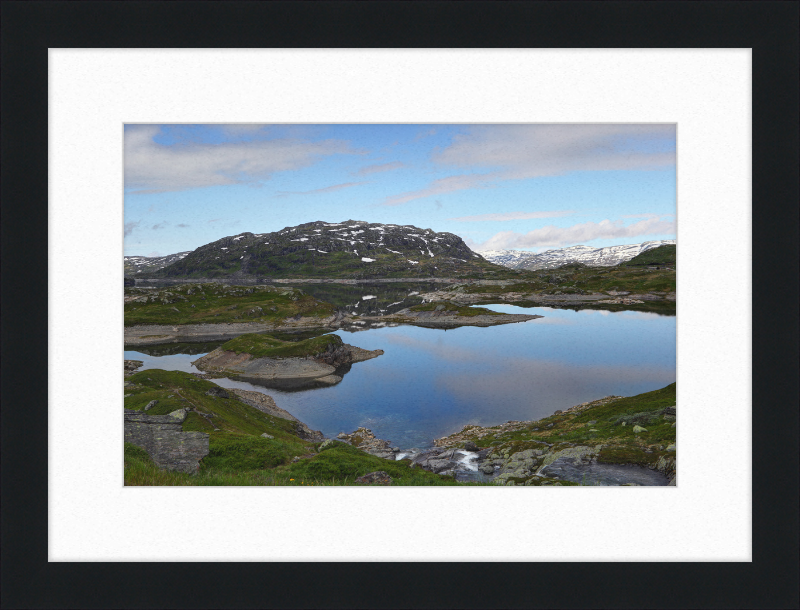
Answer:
[(216, 303), (242, 452)]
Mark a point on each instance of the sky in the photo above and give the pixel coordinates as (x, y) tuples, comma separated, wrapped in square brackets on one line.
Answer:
[(531, 187)]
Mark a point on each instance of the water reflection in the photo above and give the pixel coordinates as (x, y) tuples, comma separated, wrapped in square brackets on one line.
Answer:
[(430, 383)]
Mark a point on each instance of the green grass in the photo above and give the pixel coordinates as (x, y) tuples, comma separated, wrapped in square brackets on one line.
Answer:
[(344, 463), (335, 466), (216, 303), (175, 390), (265, 346)]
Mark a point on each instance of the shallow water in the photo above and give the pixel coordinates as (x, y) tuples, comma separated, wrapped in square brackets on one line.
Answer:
[(431, 382)]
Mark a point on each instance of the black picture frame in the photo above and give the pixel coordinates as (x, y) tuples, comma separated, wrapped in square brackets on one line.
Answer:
[(769, 28)]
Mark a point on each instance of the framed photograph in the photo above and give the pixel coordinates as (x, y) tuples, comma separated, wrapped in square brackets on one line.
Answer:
[(239, 95), (238, 356)]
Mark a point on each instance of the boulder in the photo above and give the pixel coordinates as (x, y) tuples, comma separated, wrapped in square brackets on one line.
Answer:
[(638, 429), (265, 435), (470, 446), (326, 443), (218, 392), (671, 447), (150, 405), (379, 477)]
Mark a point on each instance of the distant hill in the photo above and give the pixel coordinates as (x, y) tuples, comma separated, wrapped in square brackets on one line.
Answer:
[(663, 255), (350, 249), (593, 257), (148, 264)]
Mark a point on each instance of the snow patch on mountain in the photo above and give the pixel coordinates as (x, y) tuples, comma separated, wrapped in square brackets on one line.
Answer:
[(593, 257)]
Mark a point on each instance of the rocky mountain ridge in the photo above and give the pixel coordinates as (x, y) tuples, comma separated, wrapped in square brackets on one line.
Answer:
[(593, 257), (352, 249), (148, 264)]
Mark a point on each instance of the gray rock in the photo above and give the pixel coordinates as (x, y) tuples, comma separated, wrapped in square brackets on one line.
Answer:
[(326, 443), (487, 468), (470, 446), (164, 441), (671, 447), (218, 392), (379, 477), (265, 435), (150, 405), (638, 429)]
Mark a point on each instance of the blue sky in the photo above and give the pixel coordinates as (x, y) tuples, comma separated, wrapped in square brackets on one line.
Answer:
[(526, 187)]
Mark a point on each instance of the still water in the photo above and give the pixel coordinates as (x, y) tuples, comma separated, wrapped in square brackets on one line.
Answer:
[(431, 382)]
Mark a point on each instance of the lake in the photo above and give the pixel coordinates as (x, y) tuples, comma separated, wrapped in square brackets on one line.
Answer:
[(431, 382)]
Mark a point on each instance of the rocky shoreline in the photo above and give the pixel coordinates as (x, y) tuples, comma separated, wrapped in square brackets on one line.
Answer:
[(152, 334), (513, 461), (609, 297), (157, 334)]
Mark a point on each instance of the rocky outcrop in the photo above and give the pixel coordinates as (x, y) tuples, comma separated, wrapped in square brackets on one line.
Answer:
[(444, 318), (364, 439), (285, 373), (164, 441), (267, 405), (130, 366)]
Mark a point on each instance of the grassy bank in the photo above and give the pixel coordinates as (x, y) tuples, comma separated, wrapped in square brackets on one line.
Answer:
[(238, 454), (636, 430)]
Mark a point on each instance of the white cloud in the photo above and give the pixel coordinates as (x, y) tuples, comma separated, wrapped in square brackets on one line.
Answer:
[(383, 167), (513, 216), (327, 189), (154, 167), (528, 151), (441, 186), (518, 152), (576, 234)]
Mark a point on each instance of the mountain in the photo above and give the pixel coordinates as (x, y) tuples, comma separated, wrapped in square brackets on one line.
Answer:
[(148, 264), (593, 257), (349, 249)]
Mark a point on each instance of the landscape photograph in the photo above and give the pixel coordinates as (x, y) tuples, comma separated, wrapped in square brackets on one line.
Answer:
[(400, 304)]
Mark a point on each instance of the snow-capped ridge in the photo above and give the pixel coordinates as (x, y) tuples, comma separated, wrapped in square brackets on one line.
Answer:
[(593, 257)]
